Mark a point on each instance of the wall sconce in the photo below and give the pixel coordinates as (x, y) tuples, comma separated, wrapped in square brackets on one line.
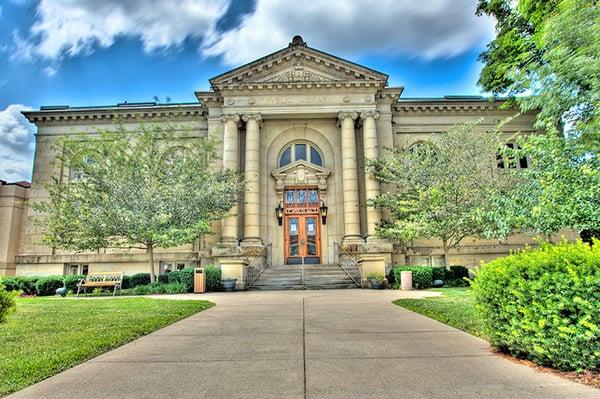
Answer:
[(279, 213), (323, 212)]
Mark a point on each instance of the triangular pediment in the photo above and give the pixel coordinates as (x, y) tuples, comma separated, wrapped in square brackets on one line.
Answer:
[(301, 165), (298, 64)]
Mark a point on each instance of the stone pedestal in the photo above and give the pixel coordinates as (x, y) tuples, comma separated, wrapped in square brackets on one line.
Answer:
[(406, 281), (370, 263), (234, 268)]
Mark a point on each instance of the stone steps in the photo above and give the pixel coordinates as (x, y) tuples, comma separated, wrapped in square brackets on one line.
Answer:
[(316, 277)]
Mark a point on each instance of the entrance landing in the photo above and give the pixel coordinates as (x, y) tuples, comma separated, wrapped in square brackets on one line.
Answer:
[(306, 344)]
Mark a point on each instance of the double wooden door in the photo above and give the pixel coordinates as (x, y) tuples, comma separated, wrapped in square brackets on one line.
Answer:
[(302, 226)]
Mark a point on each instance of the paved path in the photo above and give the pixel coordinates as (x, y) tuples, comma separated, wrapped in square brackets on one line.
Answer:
[(313, 344)]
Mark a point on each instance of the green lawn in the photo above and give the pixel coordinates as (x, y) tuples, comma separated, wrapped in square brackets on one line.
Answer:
[(454, 308), (48, 335)]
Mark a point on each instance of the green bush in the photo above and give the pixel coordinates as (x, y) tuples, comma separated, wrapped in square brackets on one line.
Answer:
[(542, 304), (213, 278), (184, 276), (159, 288), (71, 281), (459, 272), (438, 273), (135, 279), (25, 284), (7, 303), (422, 276), (48, 285)]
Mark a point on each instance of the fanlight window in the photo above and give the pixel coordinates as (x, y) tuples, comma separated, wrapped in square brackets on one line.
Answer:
[(300, 151), (514, 160)]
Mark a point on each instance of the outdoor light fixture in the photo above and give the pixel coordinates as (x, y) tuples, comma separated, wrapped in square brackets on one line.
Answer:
[(279, 213), (323, 212)]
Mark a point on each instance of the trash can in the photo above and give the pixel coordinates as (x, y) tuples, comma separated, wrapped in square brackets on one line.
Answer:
[(199, 280)]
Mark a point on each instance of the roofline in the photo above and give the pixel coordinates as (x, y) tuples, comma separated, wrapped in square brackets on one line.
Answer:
[(258, 60), (454, 98), (66, 112), (24, 184)]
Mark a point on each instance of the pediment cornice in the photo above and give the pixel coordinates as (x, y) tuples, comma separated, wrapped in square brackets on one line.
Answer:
[(298, 66)]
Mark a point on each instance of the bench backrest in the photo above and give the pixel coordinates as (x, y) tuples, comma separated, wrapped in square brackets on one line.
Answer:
[(115, 277)]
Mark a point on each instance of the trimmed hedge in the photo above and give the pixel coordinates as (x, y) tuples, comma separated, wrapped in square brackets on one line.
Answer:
[(135, 279), (25, 284), (213, 278), (46, 286), (7, 303), (184, 276), (422, 276), (160, 288), (542, 304)]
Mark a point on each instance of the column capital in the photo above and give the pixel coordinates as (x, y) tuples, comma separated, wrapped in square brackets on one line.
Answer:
[(256, 117), (369, 114), (230, 117), (347, 114)]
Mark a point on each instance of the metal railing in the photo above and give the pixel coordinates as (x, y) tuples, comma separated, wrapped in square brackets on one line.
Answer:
[(349, 263), (257, 264)]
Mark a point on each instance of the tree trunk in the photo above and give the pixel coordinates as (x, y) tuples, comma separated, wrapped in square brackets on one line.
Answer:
[(445, 258), (150, 250)]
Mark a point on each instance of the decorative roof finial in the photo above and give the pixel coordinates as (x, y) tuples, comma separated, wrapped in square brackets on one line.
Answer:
[(297, 41)]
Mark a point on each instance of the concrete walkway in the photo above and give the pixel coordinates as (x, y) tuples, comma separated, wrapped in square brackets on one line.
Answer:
[(313, 344)]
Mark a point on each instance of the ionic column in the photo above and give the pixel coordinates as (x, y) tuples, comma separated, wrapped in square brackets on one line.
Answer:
[(371, 151), (252, 176), (229, 230), (349, 177)]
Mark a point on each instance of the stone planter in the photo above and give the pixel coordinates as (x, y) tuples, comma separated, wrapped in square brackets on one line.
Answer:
[(229, 284), (375, 283)]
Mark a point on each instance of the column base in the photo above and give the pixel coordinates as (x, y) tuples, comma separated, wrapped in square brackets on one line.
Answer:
[(251, 241), (370, 263), (353, 240)]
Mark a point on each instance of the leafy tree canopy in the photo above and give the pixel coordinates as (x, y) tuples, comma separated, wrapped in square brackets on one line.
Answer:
[(444, 187), (144, 188)]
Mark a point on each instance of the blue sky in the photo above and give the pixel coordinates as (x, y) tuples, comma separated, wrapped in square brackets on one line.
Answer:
[(90, 52)]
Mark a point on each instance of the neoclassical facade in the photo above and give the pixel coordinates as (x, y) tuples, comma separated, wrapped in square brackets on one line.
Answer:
[(301, 125)]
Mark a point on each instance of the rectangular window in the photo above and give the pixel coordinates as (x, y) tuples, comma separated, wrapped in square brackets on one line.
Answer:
[(300, 152)]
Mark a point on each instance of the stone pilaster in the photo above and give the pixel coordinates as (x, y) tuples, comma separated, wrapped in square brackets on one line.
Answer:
[(349, 178), (372, 188), (229, 230), (252, 177)]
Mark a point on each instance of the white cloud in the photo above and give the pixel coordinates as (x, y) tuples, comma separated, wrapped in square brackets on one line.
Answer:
[(428, 28), (65, 28), (17, 144)]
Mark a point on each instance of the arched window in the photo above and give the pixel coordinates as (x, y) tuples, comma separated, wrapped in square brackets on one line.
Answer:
[(513, 160), (300, 151)]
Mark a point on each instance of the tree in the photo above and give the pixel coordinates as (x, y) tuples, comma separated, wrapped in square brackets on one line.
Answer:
[(550, 50), (444, 188), (560, 188), (144, 188)]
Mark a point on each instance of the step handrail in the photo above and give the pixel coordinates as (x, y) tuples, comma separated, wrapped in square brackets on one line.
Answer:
[(353, 262), (264, 250)]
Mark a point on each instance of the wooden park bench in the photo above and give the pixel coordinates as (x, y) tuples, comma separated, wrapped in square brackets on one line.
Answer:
[(101, 280)]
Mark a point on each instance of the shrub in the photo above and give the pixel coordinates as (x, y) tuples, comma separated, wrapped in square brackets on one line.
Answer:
[(459, 272), (136, 279), (24, 284), (184, 276), (48, 285), (7, 303), (213, 278), (422, 276), (438, 273), (542, 304), (71, 281), (159, 288)]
